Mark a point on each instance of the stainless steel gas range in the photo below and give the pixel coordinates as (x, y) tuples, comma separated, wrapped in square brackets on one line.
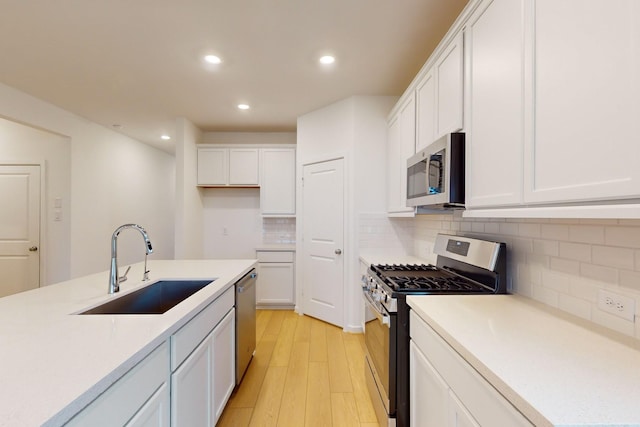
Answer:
[(464, 266)]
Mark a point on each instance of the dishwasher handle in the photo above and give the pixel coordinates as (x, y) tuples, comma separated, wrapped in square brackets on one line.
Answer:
[(246, 282)]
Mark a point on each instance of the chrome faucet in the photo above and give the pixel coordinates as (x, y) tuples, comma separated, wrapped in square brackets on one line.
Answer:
[(114, 279)]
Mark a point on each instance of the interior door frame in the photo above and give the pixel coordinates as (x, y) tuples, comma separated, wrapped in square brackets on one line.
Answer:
[(42, 232), (347, 243)]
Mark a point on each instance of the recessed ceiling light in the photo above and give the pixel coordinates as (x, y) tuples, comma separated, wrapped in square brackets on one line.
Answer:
[(165, 137), (243, 106), (212, 59), (327, 59)]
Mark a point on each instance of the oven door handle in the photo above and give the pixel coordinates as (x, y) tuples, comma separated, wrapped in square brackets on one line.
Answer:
[(382, 317)]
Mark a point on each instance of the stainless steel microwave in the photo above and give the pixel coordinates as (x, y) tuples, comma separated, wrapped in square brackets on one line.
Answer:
[(435, 174)]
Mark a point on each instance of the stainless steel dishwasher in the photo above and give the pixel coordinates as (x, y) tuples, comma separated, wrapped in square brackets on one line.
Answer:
[(245, 322)]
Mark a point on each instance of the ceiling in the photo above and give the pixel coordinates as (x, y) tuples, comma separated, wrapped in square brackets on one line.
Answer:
[(136, 66)]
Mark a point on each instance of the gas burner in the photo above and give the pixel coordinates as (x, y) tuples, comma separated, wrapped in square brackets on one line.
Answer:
[(434, 284), (406, 267)]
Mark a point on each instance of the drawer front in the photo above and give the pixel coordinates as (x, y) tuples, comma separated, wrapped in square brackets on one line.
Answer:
[(480, 398), (274, 256), (187, 338)]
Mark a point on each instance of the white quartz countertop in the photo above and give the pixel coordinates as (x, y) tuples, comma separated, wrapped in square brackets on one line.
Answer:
[(53, 362), (556, 369)]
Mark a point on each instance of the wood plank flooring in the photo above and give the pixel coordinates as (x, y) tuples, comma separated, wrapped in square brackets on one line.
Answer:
[(305, 373)]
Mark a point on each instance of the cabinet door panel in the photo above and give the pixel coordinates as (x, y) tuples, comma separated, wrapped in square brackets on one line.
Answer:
[(458, 414), (275, 284), (278, 184), (587, 101), (428, 393), (244, 166), (223, 359), (213, 166), (496, 105), (191, 394), (401, 144), (449, 69), (425, 112), (155, 413)]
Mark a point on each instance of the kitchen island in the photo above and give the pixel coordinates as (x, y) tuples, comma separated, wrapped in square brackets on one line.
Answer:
[(53, 362), (526, 359)]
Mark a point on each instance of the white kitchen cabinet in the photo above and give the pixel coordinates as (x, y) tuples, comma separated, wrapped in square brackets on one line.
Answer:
[(141, 395), (244, 166), (581, 145), (401, 141), (224, 363), (428, 393), (449, 87), (224, 166), (426, 110), (439, 95), (444, 383), (201, 386), (276, 277), (278, 182), (154, 413), (203, 364), (213, 166), (495, 105)]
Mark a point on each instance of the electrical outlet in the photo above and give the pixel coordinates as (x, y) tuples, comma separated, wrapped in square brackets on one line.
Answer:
[(617, 305)]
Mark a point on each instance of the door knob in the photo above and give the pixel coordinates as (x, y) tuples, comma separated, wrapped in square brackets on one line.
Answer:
[(338, 251), (33, 249)]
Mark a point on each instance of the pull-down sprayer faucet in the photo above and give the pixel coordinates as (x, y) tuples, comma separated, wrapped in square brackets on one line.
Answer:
[(114, 279)]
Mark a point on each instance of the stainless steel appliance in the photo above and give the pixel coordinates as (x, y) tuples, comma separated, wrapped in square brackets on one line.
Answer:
[(464, 266), (245, 322), (435, 175)]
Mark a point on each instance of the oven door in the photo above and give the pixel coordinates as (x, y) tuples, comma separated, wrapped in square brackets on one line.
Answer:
[(379, 336)]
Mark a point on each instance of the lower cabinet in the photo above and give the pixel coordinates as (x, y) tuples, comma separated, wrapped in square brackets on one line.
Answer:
[(203, 364), (446, 391), (202, 385), (275, 285), (139, 398)]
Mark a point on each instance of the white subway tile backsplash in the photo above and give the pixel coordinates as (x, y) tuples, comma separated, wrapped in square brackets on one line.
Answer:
[(575, 251), (628, 237), (554, 231), (586, 234), (630, 280), (564, 265), (613, 257), (546, 247), (559, 282), (604, 274), (576, 306), (559, 262)]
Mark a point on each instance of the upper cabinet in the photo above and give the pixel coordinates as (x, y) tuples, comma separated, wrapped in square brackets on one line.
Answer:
[(439, 95), (278, 183), (581, 142), (401, 139), (272, 168), (228, 167), (495, 105)]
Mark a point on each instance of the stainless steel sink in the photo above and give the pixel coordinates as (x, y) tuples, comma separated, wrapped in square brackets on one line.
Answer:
[(153, 299)]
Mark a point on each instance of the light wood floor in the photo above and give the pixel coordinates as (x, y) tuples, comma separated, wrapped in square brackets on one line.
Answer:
[(305, 373)]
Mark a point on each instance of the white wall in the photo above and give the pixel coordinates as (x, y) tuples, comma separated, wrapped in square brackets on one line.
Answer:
[(114, 179), (188, 207), (354, 128), (20, 143)]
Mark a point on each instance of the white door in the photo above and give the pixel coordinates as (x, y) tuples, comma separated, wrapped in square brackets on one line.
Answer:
[(323, 272), (19, 228)]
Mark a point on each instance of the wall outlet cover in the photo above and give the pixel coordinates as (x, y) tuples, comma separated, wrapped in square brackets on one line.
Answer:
[(618, 305)]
